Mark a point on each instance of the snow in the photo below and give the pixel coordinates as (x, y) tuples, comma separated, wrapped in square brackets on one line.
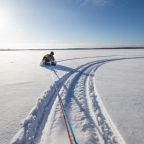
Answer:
[(122, 93), (102, 91)]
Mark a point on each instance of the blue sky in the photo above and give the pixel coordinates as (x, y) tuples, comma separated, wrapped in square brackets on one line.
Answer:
[(71, 23)]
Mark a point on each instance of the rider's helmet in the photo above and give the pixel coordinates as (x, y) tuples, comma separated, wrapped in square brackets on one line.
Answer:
[(52, 53)]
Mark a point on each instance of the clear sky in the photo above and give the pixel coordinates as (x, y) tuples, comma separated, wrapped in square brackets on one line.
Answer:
[(71, 23)]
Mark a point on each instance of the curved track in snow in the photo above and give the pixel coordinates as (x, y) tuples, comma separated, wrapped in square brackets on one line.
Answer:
[(85, 109), (88, 116)]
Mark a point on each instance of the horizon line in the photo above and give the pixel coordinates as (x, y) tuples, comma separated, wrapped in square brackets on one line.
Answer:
[(99, 48)]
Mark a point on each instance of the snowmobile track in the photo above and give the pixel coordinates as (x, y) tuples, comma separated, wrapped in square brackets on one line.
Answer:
[(84, 107), (87, 114)]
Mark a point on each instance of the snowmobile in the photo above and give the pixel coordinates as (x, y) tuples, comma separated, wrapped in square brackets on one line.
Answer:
[(50, 63)]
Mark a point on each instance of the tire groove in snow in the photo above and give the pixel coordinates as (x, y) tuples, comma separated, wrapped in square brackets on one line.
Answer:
[(103, 128), (87, 114), (75, 99)]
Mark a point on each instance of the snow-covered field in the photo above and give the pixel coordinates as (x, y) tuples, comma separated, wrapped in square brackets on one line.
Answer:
[(102, 92)]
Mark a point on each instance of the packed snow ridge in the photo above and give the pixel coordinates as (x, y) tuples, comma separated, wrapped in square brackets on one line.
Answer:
[(85, 109)]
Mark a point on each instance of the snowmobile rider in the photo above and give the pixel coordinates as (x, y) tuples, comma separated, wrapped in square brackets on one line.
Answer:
[(49, 58)]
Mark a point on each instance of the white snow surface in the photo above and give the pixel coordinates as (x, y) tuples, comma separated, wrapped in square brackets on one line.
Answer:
[(102, 92)]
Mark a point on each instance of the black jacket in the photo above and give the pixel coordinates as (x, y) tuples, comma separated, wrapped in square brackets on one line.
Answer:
[(49, 57)]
